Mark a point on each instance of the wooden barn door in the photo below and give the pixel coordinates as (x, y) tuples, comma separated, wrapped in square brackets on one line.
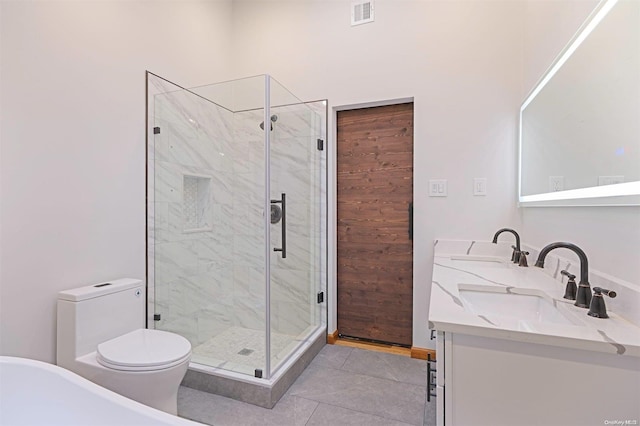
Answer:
[(375, 249)]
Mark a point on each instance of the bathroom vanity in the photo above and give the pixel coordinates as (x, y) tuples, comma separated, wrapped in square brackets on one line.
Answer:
[(510, 350)]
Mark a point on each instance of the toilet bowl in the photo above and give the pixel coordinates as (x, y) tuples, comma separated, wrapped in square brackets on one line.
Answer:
[(100, 337), (144, 365)]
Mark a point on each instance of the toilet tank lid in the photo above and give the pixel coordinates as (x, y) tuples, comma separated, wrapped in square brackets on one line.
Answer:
[(100, 289)]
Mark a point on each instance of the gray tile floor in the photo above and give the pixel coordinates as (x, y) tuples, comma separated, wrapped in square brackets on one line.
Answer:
[(341, 386)]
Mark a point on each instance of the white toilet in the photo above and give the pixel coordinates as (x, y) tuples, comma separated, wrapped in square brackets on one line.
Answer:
[(101, 336)]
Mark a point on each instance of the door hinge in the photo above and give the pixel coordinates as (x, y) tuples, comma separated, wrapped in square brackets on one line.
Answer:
[(157, 317), (320, 145), (156, 130), (320, 296)]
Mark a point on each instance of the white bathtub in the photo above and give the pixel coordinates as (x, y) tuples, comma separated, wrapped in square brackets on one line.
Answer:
[(37, 393)]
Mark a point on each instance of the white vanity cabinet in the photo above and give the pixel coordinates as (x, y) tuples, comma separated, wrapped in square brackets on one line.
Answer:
[(488, 381), (511, 350)]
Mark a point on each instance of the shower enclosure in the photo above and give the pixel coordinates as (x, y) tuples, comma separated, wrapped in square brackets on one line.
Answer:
[(236, 222)]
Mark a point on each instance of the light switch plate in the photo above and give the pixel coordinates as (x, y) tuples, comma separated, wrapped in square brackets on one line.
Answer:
[(479, 186), (437, 188)]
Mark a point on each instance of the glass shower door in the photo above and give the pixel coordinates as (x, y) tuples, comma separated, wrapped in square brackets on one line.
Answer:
[(296, 259), (206, 229)]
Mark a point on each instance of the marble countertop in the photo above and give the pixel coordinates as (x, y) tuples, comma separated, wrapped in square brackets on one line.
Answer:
[(448, 310)]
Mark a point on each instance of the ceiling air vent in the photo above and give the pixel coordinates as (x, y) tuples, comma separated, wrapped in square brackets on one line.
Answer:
[(361, 12)]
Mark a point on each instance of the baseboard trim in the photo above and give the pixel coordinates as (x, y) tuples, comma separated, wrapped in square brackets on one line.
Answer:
[(421, 353), (332, 337), (372, 346), (414, 352)]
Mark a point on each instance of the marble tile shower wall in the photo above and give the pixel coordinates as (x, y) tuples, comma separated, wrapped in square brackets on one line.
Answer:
[(248, 250), (213, 279)]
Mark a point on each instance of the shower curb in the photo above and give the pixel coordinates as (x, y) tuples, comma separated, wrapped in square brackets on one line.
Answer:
[(260, 394)]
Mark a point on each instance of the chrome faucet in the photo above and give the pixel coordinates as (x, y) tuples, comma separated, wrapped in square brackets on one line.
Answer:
[(583, 298), (515, 256)]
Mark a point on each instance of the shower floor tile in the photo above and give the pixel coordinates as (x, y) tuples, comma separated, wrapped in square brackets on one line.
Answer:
[(243, 350)]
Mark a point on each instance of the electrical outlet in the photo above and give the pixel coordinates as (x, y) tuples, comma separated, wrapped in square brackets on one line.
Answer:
[(556, 183)]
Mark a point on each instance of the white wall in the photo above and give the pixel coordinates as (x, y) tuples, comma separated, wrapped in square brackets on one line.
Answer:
[(73, 142), (459, 61), (610, 236), (72, 125)]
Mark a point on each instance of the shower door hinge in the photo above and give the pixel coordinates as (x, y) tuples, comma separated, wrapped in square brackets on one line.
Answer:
[(320, 296), (320, 145), (258, 373), (156, 130), (156, 317)]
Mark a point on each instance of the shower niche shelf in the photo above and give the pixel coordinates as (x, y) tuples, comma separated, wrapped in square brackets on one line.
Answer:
[(196, 203)]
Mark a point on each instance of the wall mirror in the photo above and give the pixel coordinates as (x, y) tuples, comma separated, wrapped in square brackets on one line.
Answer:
[(579, 132)]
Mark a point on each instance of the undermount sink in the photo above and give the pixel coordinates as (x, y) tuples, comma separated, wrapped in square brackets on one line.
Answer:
[(463, 261), (516, 308)]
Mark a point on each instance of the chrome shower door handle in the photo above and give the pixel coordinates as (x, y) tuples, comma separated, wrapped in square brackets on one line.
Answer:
[(283, 229)]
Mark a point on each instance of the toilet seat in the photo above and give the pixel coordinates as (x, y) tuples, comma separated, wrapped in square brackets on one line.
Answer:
[(144, 350)]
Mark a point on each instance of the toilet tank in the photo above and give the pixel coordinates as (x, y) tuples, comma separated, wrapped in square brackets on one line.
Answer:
[(90, 315)]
